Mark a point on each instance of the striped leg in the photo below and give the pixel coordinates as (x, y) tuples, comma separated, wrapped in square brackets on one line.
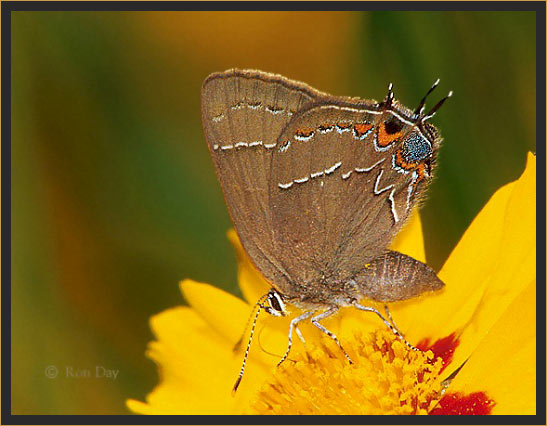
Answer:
[(315, 320), (386, 322), (294, 325), (388, 313), (299, 334)]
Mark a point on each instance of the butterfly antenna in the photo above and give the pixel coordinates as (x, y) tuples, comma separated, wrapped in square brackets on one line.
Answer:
[(421, 106), (389, 96), (259, 306), (436, 107)]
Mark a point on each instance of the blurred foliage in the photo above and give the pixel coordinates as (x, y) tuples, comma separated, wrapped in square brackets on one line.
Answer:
[(114, 196)]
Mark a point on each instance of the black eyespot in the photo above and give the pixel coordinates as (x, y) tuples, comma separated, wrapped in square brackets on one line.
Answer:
[(416, 148), (275, 303), (393, 126)]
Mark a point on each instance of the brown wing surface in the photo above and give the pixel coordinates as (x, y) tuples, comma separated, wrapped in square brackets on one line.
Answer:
[(243, 113), (337, 200)]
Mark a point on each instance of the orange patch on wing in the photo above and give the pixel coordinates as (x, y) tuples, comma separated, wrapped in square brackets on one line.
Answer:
[(400, 161), (361, 128), (420, 167), (325, 127), (305, 132), (384, 138), (343, 125)]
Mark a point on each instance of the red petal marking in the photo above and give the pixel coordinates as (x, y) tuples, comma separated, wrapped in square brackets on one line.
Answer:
[(443, 348), (476, 403)]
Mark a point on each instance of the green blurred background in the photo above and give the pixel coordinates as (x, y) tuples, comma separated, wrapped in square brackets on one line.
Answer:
[(114, 196)]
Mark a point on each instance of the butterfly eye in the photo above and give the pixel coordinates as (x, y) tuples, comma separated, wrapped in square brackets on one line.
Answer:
[(277, 307), (416, 148)]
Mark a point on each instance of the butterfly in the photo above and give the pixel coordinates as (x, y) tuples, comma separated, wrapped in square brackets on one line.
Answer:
[(317, 187)]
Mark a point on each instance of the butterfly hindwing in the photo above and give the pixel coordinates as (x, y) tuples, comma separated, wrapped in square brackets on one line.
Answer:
[(337, 200)]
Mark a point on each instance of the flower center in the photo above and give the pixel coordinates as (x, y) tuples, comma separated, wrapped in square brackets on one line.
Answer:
[(386, 377)]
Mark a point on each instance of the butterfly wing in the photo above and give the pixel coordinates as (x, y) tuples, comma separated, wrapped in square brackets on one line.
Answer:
[(337, 198), (243, 113), (317, 186)]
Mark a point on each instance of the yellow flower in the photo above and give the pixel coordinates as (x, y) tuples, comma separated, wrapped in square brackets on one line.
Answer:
[(478, 336)]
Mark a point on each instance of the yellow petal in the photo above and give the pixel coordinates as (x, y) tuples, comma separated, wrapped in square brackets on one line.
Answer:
[(514, 269), (252, 283), (410, 240), (197, 368), (224, 312), (504, 365), (426, 316), (488, 268), (228, 316)]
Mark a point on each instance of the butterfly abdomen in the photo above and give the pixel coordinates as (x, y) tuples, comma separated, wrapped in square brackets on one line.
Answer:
[(394, 277)]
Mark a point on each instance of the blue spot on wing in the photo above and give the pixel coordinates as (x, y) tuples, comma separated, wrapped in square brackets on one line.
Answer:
[(416, 148)]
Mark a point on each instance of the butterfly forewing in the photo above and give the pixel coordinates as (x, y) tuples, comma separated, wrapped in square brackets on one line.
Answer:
[(243, 113)]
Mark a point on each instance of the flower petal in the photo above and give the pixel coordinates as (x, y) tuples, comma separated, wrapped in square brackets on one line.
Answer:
[(197, 368), (489, 267), (514, 269), (252, 283), (228, 316), (504, 364), (426, 316), (224, 312), (410, 240)]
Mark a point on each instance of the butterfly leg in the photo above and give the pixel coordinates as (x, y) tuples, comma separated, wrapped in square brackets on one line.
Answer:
[(315, 320), (294, 325), (386, 322), (299, 334), (388, 313)]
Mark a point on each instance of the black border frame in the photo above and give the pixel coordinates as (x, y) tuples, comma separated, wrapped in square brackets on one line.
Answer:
[(7, 7)]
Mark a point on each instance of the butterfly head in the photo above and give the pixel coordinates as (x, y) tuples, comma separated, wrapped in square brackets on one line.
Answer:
[(419, 116), (416, 139), (275, 305)]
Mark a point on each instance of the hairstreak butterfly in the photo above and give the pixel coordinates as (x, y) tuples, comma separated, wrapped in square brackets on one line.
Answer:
[(317, 187)]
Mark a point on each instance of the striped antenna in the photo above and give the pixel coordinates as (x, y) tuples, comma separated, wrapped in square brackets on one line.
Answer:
[(436, 107), (389, 96), (259, 306), (420, 108)]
